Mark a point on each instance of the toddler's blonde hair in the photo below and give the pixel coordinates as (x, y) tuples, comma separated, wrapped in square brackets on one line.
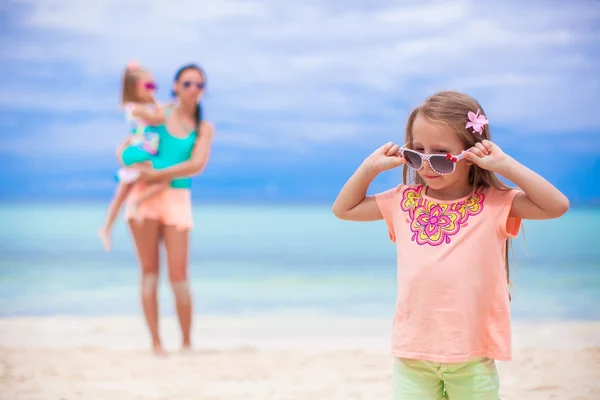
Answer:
[(131, 77)]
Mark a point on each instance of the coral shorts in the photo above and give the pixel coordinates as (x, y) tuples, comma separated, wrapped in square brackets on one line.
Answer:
[(170, 206)]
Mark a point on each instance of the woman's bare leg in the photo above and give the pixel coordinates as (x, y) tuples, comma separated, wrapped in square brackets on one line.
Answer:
[(116, 203), (146, 237), (152, 190), (176, 243)]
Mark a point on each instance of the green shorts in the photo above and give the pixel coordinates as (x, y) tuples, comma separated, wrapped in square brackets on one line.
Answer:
[(425, 380)]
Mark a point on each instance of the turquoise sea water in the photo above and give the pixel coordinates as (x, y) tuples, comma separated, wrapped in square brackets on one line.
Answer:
[(267, 258)]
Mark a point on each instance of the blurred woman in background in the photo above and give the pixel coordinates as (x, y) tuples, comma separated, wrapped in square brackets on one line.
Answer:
[(185, 143)]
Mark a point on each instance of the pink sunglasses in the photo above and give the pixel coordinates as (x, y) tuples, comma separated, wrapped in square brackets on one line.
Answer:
[(148, 85), (443, 164)]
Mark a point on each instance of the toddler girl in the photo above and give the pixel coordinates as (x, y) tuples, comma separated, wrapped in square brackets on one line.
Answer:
[(142, 112)]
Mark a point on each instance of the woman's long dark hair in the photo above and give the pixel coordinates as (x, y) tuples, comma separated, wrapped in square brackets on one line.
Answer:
[(199, 105)]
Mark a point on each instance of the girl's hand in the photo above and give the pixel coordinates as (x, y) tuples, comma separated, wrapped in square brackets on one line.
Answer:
[(487, 155), (384, 158)]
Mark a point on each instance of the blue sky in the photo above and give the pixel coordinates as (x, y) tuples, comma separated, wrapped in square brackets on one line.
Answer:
[(299, 92)]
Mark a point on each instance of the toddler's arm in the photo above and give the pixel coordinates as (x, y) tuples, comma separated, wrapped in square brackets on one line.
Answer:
[(352, 203), (152, 117)]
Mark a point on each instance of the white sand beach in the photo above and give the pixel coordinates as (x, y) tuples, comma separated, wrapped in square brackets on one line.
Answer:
[(280, 357)]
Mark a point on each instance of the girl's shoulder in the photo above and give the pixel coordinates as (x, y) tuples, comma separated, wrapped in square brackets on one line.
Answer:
[(400, 189), (131, 107), (128, 109), (498, 195), (492, 191), (411, 187)]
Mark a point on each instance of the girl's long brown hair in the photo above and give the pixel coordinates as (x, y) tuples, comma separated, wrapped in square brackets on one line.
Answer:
[(451, 108)]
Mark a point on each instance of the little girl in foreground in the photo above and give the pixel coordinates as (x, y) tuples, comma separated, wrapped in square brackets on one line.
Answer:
[(141, 113), (452, 228)]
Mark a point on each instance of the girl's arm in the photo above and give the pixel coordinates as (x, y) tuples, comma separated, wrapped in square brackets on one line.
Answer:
[(352, 203), (154, 117), (193, 166), (539, 199)]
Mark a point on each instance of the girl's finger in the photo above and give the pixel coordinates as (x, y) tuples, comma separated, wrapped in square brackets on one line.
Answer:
[(475, 150), (394, 160), (471, 156), (386, 147), (487, 144), (393, 150), (480, 147), (401, 160)]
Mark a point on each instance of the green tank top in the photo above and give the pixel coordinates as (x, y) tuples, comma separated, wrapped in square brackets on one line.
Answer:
[(172, 151)]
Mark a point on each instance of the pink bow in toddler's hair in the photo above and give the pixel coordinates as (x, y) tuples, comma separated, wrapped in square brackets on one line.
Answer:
[(133, 64), (476, 121)]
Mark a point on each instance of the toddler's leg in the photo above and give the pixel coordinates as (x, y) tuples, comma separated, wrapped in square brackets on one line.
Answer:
[(474, 380), (151, 191), (113, 211), (417, 380)]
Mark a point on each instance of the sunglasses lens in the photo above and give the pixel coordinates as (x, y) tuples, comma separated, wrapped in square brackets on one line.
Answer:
[(441, 164), (413, 159), (150, 86), (188, 84)]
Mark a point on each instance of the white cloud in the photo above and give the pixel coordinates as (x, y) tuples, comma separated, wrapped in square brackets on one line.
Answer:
[(67, 101), (312, 72), (93, 137)]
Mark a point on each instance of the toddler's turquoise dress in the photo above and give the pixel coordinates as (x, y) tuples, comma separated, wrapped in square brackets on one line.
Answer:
[(143, 145)]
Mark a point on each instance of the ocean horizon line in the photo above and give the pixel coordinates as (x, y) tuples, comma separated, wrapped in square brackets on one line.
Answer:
[(281, 313), (577, 205)]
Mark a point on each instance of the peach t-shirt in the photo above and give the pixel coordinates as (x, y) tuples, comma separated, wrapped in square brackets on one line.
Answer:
[(452, 302)]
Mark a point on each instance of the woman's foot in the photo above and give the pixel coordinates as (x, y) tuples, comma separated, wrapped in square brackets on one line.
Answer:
[(104, 234), (159, 351)]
